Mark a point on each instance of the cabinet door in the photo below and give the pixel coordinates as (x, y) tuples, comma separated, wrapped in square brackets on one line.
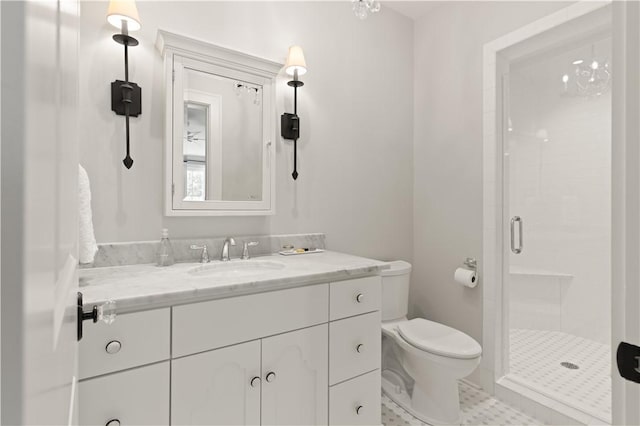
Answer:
[(295, 377), (215, 388), (139, 396)]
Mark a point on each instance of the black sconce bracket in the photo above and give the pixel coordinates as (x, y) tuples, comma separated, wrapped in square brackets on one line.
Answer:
[(118, 96), (290, 126)]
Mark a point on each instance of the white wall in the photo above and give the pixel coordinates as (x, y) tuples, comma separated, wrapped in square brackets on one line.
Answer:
[(448, 151), (356, 108)]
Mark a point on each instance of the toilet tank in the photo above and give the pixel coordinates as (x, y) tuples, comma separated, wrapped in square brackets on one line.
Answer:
[(395, 290)]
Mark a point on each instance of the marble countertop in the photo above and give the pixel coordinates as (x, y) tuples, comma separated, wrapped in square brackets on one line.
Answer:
[(146, 286)]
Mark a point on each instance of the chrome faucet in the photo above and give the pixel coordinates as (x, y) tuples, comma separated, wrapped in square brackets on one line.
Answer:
[(245, 248), (204, 258), (225, 249)]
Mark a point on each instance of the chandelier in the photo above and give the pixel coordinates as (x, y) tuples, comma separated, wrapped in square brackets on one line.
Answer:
[(362, 8), (588, 77)]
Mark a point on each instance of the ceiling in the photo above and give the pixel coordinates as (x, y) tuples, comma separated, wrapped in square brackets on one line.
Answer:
[(412, 9)]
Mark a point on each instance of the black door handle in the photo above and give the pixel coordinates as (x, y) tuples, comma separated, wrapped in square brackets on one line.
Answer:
[(628, 360), (83, 316)]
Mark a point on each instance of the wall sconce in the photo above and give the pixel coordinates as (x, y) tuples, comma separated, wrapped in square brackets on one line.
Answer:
[(290, 123), (125, 95)]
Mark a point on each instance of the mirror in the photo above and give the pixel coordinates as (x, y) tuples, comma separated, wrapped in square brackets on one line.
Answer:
[(220, 158)]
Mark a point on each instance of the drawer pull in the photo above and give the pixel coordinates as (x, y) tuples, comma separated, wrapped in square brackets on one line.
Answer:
[(359, 409), (113, 422), (360, 348), (113, 347), (359, 297), (271, 376), (255, 382)]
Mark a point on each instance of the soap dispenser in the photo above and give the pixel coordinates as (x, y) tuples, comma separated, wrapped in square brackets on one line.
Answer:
[(165, 251)]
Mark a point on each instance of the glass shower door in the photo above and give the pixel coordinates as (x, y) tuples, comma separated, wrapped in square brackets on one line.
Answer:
[(557, 204)]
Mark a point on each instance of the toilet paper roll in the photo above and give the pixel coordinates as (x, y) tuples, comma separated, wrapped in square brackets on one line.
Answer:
[(466, 277)]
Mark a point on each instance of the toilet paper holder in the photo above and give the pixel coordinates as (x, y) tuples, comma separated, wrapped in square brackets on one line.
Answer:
[(471, 263)]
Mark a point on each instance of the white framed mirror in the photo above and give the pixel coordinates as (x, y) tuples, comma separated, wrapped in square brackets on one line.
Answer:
[(219, 131)]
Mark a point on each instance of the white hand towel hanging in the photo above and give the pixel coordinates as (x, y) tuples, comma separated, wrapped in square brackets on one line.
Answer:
[(87, 246)]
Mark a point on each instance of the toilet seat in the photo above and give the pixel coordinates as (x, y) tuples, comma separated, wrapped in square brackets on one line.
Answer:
[(439, 339)]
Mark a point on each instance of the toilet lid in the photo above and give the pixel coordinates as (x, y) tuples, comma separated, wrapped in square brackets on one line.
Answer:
[(439, 339)]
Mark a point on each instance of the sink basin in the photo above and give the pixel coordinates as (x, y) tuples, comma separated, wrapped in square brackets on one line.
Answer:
[(236, 269)]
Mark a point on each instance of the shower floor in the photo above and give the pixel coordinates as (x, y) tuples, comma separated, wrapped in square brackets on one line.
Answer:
[(535, 361)]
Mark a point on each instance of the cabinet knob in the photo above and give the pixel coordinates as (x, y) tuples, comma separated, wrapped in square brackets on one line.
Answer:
[(255, 382), (113, 422), (359, 297), (271, 376), (359, 409), (360, 348), (113, 347)]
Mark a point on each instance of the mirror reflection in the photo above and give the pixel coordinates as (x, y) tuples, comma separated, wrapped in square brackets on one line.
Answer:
[(222, 138)]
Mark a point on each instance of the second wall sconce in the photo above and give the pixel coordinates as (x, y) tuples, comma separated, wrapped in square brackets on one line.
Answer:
[(290, 123), (125, 95)]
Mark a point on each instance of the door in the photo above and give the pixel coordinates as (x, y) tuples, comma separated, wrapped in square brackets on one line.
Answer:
[(39, 210), (295, 377), (557, 218), (626, 206), (220, 387)]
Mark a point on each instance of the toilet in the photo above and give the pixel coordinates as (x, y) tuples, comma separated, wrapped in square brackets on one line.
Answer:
[(422, 360)]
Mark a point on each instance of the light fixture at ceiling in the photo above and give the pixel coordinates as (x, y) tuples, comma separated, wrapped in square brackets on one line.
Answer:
[(588, 77), (250, 89), (362, 8)]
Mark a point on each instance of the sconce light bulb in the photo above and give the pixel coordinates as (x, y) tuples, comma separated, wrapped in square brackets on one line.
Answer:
[(594, 65), (565, 78)]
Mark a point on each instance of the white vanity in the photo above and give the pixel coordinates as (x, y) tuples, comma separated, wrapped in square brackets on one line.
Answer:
[(299, 345)]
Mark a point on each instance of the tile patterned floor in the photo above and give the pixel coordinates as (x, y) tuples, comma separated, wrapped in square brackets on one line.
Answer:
[(478, 408), (535, 358)]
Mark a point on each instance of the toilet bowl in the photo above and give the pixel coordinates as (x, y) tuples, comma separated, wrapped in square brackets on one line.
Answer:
[(432, 356)]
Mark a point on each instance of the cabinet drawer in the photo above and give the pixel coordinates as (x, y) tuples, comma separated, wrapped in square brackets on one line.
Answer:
[(356, 401), (134, 397), (132, 340), (353, 297), (208, 325), (354, 346)]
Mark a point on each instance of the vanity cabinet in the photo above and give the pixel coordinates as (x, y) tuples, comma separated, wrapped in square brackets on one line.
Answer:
[(303, 355)]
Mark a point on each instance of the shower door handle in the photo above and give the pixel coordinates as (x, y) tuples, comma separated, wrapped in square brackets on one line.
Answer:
[(516, 250)]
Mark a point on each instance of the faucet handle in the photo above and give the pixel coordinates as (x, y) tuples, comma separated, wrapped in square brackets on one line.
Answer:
[(204, 258), (245, 248)]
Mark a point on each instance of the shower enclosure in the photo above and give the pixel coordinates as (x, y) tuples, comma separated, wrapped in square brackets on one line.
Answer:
[(547, 248), (557, 206)]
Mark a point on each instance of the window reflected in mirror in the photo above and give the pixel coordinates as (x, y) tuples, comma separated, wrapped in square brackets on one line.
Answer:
[(194, 151)]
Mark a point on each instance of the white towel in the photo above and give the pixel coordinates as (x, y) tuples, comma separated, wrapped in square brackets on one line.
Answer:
[(86, 238)]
